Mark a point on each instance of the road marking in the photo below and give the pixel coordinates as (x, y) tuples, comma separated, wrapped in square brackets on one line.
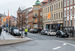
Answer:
[(71, 44), (57, 48), (66, 43)]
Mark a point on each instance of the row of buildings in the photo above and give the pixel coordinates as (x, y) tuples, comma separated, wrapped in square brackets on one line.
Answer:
[(5, 21), (51, 14)]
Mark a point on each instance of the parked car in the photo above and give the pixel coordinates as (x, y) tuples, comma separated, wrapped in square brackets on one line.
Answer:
[(15, 31), (31, 30), (61, 34), (51, 33), (35, 30), (4, 29), (44, 32)]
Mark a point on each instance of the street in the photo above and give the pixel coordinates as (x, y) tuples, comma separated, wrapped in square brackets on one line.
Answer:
[(41, 43)]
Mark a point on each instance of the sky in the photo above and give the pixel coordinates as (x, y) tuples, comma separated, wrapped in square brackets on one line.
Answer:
[(13, 5)]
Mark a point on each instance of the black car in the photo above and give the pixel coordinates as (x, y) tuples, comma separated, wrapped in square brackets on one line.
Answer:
[(60, 33)]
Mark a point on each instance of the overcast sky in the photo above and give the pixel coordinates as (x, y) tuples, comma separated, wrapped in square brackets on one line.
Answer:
[(13, 5)]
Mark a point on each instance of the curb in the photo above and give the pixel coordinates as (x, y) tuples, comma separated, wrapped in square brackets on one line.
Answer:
[(11, 42)]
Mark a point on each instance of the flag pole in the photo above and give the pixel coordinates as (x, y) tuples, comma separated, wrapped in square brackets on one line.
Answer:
[(8, 21)]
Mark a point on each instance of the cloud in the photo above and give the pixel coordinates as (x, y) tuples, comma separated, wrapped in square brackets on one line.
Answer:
[(12, 5)]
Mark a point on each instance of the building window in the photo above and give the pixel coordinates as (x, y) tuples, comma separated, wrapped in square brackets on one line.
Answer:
[(68, 23), (64, 13), (48, 9), (65, 23), (74, 12), (67, 2), (74, 1), (61, 4), (54, 16), (71, 22), (71, 2), (70, 12), (67, 12), (59, 14), (54, 6), (57, 5), (64, 3)]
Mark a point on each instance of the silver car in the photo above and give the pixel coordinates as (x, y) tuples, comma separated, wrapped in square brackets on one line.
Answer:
[(51, 33)]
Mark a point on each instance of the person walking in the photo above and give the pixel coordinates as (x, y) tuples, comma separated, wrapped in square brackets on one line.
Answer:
[(26, 30), (0, 30)]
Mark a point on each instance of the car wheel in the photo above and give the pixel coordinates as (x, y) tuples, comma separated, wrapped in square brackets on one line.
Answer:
[(60, 36), (56, 35)]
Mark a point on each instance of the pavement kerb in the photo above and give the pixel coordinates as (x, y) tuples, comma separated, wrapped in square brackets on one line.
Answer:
[(11, 42)]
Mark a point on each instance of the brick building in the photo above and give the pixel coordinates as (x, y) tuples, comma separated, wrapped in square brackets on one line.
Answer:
[(37, 18), (30, 19), (69, 13), (13, 21)]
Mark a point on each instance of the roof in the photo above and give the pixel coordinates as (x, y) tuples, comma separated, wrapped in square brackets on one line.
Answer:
[(45, 1), (37, 2)]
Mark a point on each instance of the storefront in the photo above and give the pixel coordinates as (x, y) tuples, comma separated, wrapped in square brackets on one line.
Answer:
[(54, 26)]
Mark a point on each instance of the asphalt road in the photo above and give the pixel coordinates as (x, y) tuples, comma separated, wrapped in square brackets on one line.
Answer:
[(42, 43)]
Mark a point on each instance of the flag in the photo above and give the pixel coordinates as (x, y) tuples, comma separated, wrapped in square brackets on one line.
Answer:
[(4, 20), (36, 20), (49, 15)]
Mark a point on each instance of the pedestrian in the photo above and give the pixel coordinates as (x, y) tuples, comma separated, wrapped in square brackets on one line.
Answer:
[(26, 30), (0, 30)]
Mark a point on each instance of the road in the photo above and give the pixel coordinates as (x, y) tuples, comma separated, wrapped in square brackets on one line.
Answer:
[(42, 43)]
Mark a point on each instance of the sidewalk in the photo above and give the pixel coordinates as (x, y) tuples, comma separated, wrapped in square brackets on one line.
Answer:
[(6, 39), (70, 38)]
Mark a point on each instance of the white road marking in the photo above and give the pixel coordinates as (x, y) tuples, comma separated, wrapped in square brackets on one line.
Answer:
[(71, 44), (57, 48), (66, 43)]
